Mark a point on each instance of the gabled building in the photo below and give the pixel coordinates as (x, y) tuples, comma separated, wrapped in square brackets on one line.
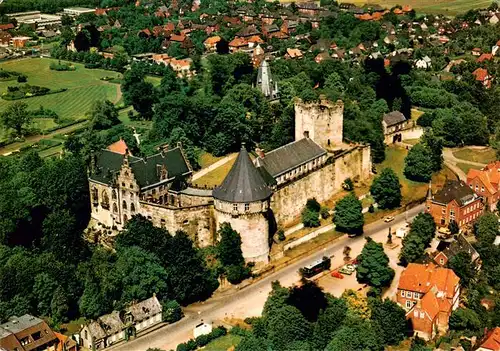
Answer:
[(456, 201), (486, 183), (120, 325), (482, 75), (491, 341), (27, 333), (446, 250), (393, 123), (429, 294)]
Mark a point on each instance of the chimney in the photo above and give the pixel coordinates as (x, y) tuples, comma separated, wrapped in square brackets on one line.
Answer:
[(260, 152)]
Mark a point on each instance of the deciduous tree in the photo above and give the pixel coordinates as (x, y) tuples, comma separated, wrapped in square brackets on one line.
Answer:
[(348, 217), (386, 189), (373, 268)]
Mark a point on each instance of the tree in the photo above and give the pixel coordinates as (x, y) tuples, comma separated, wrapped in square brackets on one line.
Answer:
[(465, 319), (348, 217), (16, 117), (286, 326), (229, 247), (59, 305), (462, 265), (309, 298), (373, 268), (413, 248), (329, 320), (486, 228), (453, 227), (357, 304), (358, 335), (137, 92), (172, 311), (422, 231), (418, 164), (310, 218), (103, 115), (390, 319), (277, 299), (435, 146), (386, 189)]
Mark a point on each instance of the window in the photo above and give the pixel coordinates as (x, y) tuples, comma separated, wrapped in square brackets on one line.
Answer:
[(402, 293), (123, 184), (422, 314), (415, 295), (105, 200), (408, 294), (113, 195), (86, 337), (124, 205), (441, 261), (125, 218), (408, 304), (477, 187), (115, 208), (132, 208), (235, 207), (452, 213), (482, 189), (247, 207)]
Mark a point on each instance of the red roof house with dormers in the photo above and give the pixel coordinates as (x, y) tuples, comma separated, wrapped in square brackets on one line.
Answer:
[(486, 183), (429, 294)]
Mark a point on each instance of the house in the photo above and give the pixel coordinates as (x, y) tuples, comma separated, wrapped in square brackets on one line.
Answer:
[(486, 183), (5, 38), (65, 343), (7, 26), (116, 326), (429, 294), (27, 333), (248, 31), (321, 57), (293, 54), (338, 54), (456, 201), (237, 44), (394, 122), (211, 43), (484, 57), (482, 75), (476, 52), (453, 63), (491, 341), (254, 40), (424, 63), (495, 48), (446, 250), (19, 42), (494, 19)]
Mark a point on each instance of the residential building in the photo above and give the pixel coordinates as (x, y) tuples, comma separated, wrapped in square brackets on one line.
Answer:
[(65, 343), (394, 122), (5, 38), (238, 44), (27, 333), (117, 326), (211, 43), (19, 42), (486, 183), (454, 202), (293, 53), (446, 250), (429, 294), (424, 63), (482, 75), (491, 341), (77, 11)]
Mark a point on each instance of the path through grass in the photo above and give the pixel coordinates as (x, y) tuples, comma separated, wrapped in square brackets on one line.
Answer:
[(483, 155)]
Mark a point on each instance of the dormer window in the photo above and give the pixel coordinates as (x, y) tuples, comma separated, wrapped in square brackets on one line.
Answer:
[(235, 207), (247, 207)]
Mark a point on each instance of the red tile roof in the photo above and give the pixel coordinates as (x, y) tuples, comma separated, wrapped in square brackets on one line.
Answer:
[(6, 26), (484, 57), (489, 176), (492, 340), (423, 277), (178, 38), (120, 147), (481, 74), (238, 42)]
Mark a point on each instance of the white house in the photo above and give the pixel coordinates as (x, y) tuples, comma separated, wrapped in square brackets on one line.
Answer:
[(424, 63)]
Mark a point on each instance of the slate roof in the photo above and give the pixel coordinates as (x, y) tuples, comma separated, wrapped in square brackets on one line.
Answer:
[(290, 156), (454, 190), (22, 327), (108, 164), (146, 308), (393, 118), (457, 246), (243, 183)]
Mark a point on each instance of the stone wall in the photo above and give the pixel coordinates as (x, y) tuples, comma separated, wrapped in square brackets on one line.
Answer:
[(323, 122), (288, 201), (408, 133), (196, 221)]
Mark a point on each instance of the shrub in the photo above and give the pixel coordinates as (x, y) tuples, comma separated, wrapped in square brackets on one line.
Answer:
[(310, 218), (371, 209), (172, 311), (324, 212), (237, 273), (237, 330), (281, 235), (313, 205), (348, 185), (22, 78)]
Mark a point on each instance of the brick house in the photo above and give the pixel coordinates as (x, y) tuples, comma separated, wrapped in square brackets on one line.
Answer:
[(491, 341), (429, 294), (482, 75), (456, 201), (446, 250), (485, 183), (27, 333)]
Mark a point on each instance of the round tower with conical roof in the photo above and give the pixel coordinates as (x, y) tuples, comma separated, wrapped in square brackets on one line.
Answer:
[(242, 200)]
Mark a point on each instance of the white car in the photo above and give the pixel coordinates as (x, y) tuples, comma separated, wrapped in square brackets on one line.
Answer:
[(388, 219)]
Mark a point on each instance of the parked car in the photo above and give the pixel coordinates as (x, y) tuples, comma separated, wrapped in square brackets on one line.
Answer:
[(348, 269), (388, 219)]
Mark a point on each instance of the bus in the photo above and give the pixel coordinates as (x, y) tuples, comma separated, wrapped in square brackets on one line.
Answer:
[(316, 267)]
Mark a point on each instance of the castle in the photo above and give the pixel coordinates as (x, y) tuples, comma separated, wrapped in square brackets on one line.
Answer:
[(256, 196)]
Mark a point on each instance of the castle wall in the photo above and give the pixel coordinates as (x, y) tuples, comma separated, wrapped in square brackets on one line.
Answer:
[(323, 122), (251, 224), (408, 133), (196, 221), (289, 200)]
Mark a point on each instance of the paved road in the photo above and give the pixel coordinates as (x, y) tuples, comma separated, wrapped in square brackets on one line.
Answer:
[(250, 300)]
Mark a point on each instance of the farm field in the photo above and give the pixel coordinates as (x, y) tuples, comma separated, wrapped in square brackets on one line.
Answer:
[(84, 87), (446, 7)]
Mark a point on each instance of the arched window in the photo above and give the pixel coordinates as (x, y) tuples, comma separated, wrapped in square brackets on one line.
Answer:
[(115, 208), (125, 218), (105, 200), (124, 205), (132, 208), (113, 194), (95, 195)]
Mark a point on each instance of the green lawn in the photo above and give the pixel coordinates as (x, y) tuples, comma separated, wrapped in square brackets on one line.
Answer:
[(84, 87), (411, 191), (206, 159), (447, 7), (486, 155), (223, 343), (465, 167)]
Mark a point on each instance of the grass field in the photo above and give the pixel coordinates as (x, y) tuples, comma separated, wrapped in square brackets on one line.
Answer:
[(447, 7), (485, 155), (223, 343), (411, 191), (84, 87), (215, 177), (466, 166)]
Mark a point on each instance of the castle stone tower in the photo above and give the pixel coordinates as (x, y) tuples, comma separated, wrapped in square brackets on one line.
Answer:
[(322, 122), (242, 200)]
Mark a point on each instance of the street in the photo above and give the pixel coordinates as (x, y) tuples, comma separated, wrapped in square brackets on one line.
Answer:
[(250, 300)]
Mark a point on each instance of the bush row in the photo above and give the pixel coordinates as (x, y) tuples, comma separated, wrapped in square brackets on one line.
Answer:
[(202, 340)]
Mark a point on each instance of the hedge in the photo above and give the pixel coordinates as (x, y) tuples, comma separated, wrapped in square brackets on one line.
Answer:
[(202, 340)]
